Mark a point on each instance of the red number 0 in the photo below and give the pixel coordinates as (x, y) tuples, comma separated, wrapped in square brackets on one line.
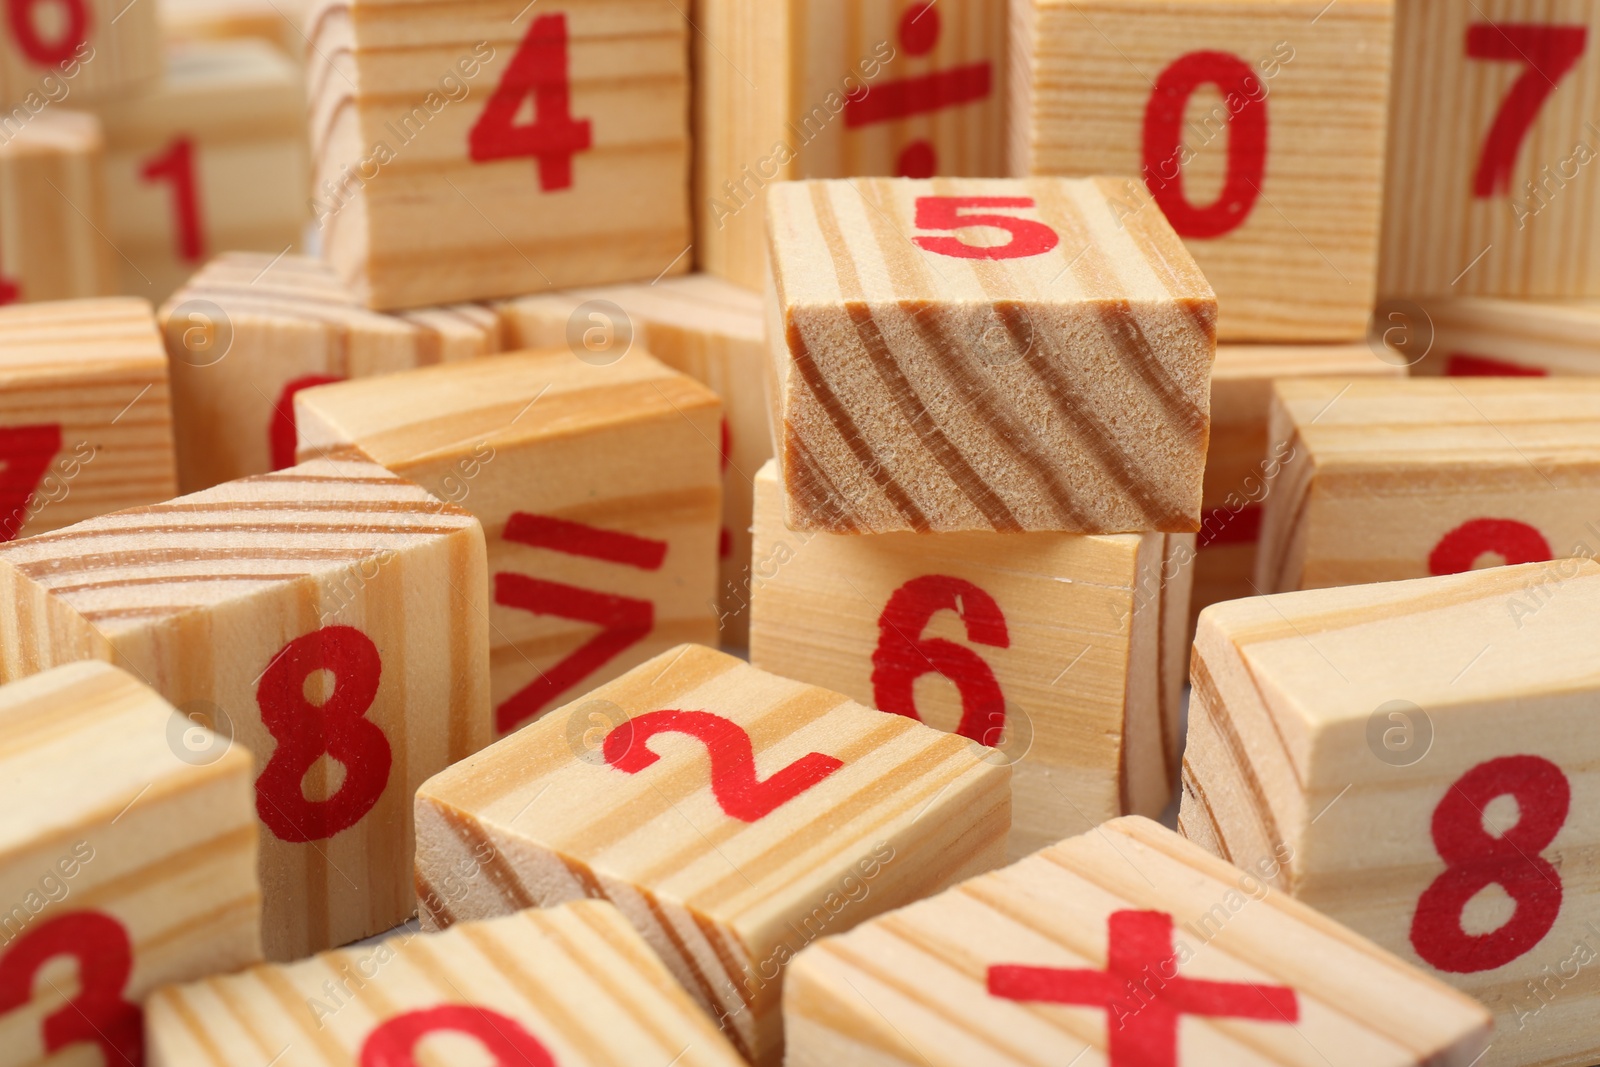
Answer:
[(176, 165), (1029, 237), (19, 13), (1547, 53), (539, 70), (903, 655), (1459, 549), (1247, 142), (98, 1015), (733, 763), (1475, 860), (394, 1043)]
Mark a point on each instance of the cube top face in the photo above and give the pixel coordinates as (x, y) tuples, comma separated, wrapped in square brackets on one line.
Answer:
[(1099, 937), (52, 132), (210, 89), (64, 338), (698, 302)]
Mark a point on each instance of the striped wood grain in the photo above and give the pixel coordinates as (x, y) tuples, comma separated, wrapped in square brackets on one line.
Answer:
[(53, 209), (1485, 336), (118, 53)]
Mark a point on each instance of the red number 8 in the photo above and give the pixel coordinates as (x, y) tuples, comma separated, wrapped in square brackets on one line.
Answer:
[(394, 1043)]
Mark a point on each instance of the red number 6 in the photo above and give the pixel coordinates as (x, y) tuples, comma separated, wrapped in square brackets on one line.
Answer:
[(1029, 237), (394, 1043), (1247, 142)]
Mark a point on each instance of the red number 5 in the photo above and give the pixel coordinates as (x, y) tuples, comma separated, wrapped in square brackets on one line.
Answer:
[(1029, 237), (1547, 53), (394, 1043)]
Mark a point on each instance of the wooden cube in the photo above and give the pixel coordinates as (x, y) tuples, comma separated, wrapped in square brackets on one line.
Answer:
[(1049, 646), (709, 329), (1224, 111), (1046, 368), (278, 22), (212, 159), (598, 489), (89, 49), (129, 849), (570, 985), (1382, 480), (85, 416), (252, 329), (734, 816), (433, 186), (333, 615), (1490, 337), (1129, 947), (1437, 794), (53, 219), (887, 87)]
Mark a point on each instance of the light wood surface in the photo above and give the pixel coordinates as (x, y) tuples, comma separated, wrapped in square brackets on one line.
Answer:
[(127, 861), (598, 489), (813, 814), (1420, 752), (226, 601), (439, 179), (1048, 646), (1383, 480), (85, 415), (278, 22), (252, 329), (832, 89), (82, 49), (1259, 127), (1128, 947), (714, 332), (932, 379), (53, 211), (1487, 336)]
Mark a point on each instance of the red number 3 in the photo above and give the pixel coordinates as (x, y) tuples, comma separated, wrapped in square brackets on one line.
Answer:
[(903, 655), (1029, 237), (98, 1016), (394, 1043)]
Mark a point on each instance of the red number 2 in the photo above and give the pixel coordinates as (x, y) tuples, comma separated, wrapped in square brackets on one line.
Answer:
[(26, 452), (394, 1043), (176, 165), (98, 1016), (733, 763), (539, 70), (1246, 102), (903, 655), (1029, 237), (19, 14), (1459, 549), (1547, 53)]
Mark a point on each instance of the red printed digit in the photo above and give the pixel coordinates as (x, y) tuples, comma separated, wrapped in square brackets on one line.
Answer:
[(1029, 237), (1547, 53), (1475, 859), (1247, 142), (539, 70), (1516, 542), (394, 1043), (305, 731), (26, 452), (1461, 365), (98, 1016), (725, 535), (904, 655), (733, 763), (10, 290), (176, 165), (19, 14), (281, 434)]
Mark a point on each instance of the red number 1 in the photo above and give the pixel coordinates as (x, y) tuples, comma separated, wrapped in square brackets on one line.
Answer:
[(1547, 54), (539, 70), (176, 165)]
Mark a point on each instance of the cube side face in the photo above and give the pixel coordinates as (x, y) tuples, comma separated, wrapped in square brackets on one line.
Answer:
[(1492, 337), (97, 54), (56, 251)]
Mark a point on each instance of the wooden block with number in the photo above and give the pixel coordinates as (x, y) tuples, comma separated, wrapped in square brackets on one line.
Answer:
[(1065, 651), (734, 816), (1387, 479), (712, 331), (51, 50), (1259, 129), (85, 417), (331, 616), (1027, 361), (1127, 947), (1493, 337), (52, 210), (127, 847), (1437, 795), (570, 985), (598, 488), (252, 329), (894, 87), (488, 148), (212, 159)]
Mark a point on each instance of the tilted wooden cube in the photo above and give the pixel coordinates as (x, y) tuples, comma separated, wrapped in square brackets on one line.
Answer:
[(1383, 480), (1066, 651), (734, 816), (709, 329), (85, 416), (486, 148), (884, 87), (598, 489), (1128, 947), (1226, 114), (78, 49), (1419, 756), (570, 985), (332, 616), (1493, 337), (128, 848), (52, 238), (968, 354), (252, 329)]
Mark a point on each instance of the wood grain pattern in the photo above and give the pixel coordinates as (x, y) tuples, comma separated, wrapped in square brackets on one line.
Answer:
[(925, 985), (249, 330), (1487, 336), (411, 214), (599, 493), (127, 834), (113, 51), (278, 22), (894, 811), (53, 211), (1322, 726), (1064, 635), (221, 599), (1266, 119), (714, 332), (1383, 480), (1062, 387), (831, 89)]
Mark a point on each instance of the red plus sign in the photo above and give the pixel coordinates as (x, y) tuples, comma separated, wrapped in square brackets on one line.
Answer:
[(1141, 979)]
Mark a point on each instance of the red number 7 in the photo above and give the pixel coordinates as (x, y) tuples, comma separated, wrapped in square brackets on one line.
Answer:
[(1029, 237), (1547, 54)]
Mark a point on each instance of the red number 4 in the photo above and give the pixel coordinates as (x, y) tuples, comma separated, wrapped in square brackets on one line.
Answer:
[(539, 69), (1029, 237), (1547, 54)]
